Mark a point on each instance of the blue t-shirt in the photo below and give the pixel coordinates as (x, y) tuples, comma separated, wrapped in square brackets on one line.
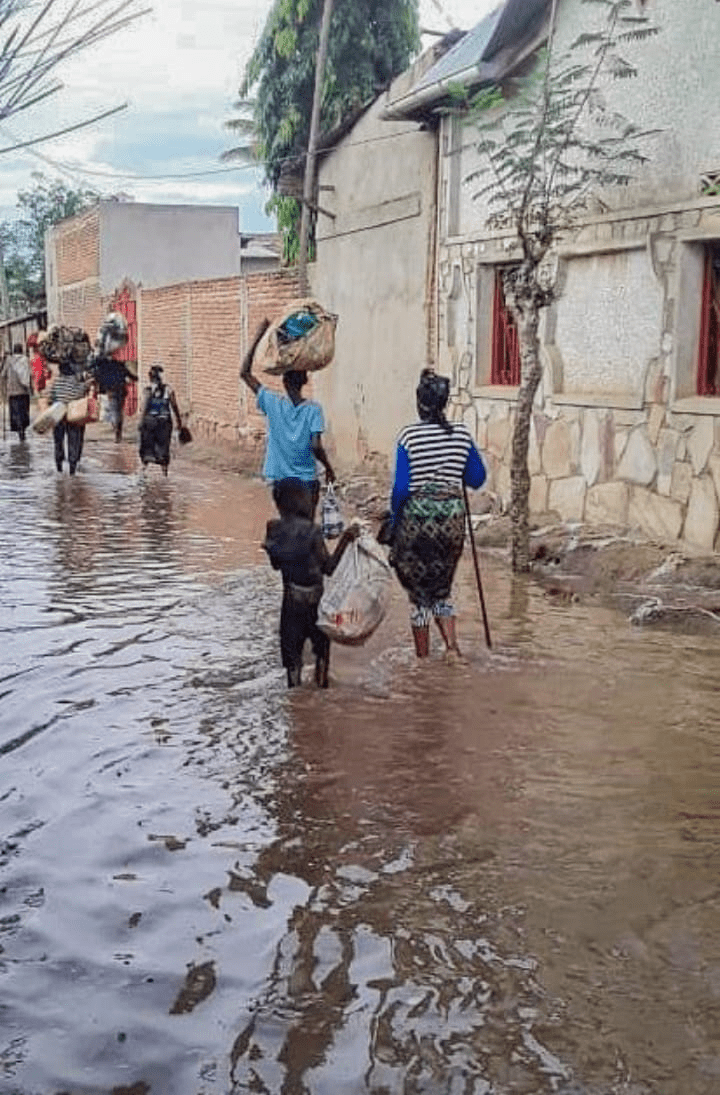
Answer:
[(290, 429)]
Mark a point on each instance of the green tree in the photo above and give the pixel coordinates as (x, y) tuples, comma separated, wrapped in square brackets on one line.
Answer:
[(547, 146), (45, 203), (371, 41)]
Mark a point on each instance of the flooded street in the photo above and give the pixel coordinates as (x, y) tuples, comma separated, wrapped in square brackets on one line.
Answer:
[(495, 879)]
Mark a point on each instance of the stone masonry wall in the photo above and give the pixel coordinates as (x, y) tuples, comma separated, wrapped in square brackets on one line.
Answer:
[(649, 463)]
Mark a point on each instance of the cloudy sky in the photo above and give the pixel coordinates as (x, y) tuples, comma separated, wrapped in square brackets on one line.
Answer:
[(179, 70)]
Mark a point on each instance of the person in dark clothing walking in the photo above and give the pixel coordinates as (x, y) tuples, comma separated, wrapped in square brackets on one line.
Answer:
[(296, 547), (66, 387), (17, 380), (110, 375), (156, 420), (295, 427)]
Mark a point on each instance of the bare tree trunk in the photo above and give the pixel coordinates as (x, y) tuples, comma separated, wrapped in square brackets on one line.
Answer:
[(4, 294), (309, 181), (527, 320)]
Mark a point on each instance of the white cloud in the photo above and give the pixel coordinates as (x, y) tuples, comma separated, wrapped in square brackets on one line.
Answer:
[(179, 70)]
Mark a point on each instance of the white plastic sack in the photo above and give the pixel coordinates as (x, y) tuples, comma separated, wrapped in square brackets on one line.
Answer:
[(49, 418), (356, 596)]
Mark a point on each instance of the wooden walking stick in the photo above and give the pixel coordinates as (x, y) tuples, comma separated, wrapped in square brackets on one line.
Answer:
[(486, 625)]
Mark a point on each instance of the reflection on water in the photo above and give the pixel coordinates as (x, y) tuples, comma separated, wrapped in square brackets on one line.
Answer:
[(485, 880), (18, 460)]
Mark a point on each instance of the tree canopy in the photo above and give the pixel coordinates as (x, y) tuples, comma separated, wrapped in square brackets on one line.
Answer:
[(45, 203), (371, 41)]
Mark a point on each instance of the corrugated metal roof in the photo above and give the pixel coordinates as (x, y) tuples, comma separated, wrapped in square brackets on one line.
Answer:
[(503, 27), (466, 53), (518, 16)]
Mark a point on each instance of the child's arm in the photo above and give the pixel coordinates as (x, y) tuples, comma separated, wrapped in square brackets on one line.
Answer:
[(268, 544), (330, 562)]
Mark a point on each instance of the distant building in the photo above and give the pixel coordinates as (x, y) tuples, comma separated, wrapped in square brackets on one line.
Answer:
[(89, 257)]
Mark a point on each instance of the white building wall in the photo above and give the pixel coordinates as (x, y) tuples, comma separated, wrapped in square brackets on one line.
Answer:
[(373, 263), (155, 245)]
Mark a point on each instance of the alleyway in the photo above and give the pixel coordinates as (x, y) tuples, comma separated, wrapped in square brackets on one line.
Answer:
[(499, 879)]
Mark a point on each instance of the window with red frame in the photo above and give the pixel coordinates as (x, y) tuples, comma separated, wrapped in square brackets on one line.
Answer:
[(505, 362), (708, 374)]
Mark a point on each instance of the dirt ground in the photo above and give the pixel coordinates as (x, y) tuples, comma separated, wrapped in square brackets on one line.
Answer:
[(652, 583)]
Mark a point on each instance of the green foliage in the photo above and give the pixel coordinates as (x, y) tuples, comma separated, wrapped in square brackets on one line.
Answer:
[(370, 42), (23, 240), (287, 216), (552, 142)]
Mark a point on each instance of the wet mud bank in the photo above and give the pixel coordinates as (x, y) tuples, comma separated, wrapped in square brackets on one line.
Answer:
[(651, 583), (498, 878)]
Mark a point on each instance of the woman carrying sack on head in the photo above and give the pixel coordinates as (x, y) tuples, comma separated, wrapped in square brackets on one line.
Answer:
[(295, 428), (434, 458), (66, 388), (17, 377), (158, 408)]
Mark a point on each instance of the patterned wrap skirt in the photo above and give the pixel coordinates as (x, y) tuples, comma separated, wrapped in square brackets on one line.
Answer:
[(155, 438), (427, 543)]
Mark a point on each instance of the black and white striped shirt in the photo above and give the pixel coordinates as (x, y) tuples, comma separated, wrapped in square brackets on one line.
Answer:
[(434, 454), (67, 388)]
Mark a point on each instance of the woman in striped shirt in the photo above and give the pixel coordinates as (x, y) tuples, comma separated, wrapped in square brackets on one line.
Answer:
[(433, 459), (67, 387)]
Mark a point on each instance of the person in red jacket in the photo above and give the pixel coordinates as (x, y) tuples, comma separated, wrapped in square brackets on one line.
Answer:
[(38, 366)]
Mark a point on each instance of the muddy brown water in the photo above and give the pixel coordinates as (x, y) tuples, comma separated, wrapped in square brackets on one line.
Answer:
[(493, 879)]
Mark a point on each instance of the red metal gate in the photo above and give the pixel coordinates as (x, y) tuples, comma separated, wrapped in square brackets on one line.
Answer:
[(124, 302)]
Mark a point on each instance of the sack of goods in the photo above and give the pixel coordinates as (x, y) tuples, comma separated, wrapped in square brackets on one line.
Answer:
[(112, 333), (303, 338), (66, 344), (81, 411), (356, 596), (50, 417)]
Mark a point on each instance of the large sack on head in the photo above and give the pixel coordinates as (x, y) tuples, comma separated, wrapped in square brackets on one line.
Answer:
[(67, 345), (302, 338), (356, 596)]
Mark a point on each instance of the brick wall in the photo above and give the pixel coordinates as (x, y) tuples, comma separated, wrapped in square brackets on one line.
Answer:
[(198, 331), (267, 295), (81, 306), (77, 248), (215, 326), (163, 318), (76, 272)]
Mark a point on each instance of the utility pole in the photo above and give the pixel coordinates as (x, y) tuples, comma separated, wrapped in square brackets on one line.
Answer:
[(309, 181), (4, 295)]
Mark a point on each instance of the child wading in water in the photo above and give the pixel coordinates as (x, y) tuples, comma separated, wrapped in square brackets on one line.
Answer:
[(296, 547)]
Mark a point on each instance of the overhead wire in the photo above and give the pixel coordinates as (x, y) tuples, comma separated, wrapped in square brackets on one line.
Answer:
[(75, 169)]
